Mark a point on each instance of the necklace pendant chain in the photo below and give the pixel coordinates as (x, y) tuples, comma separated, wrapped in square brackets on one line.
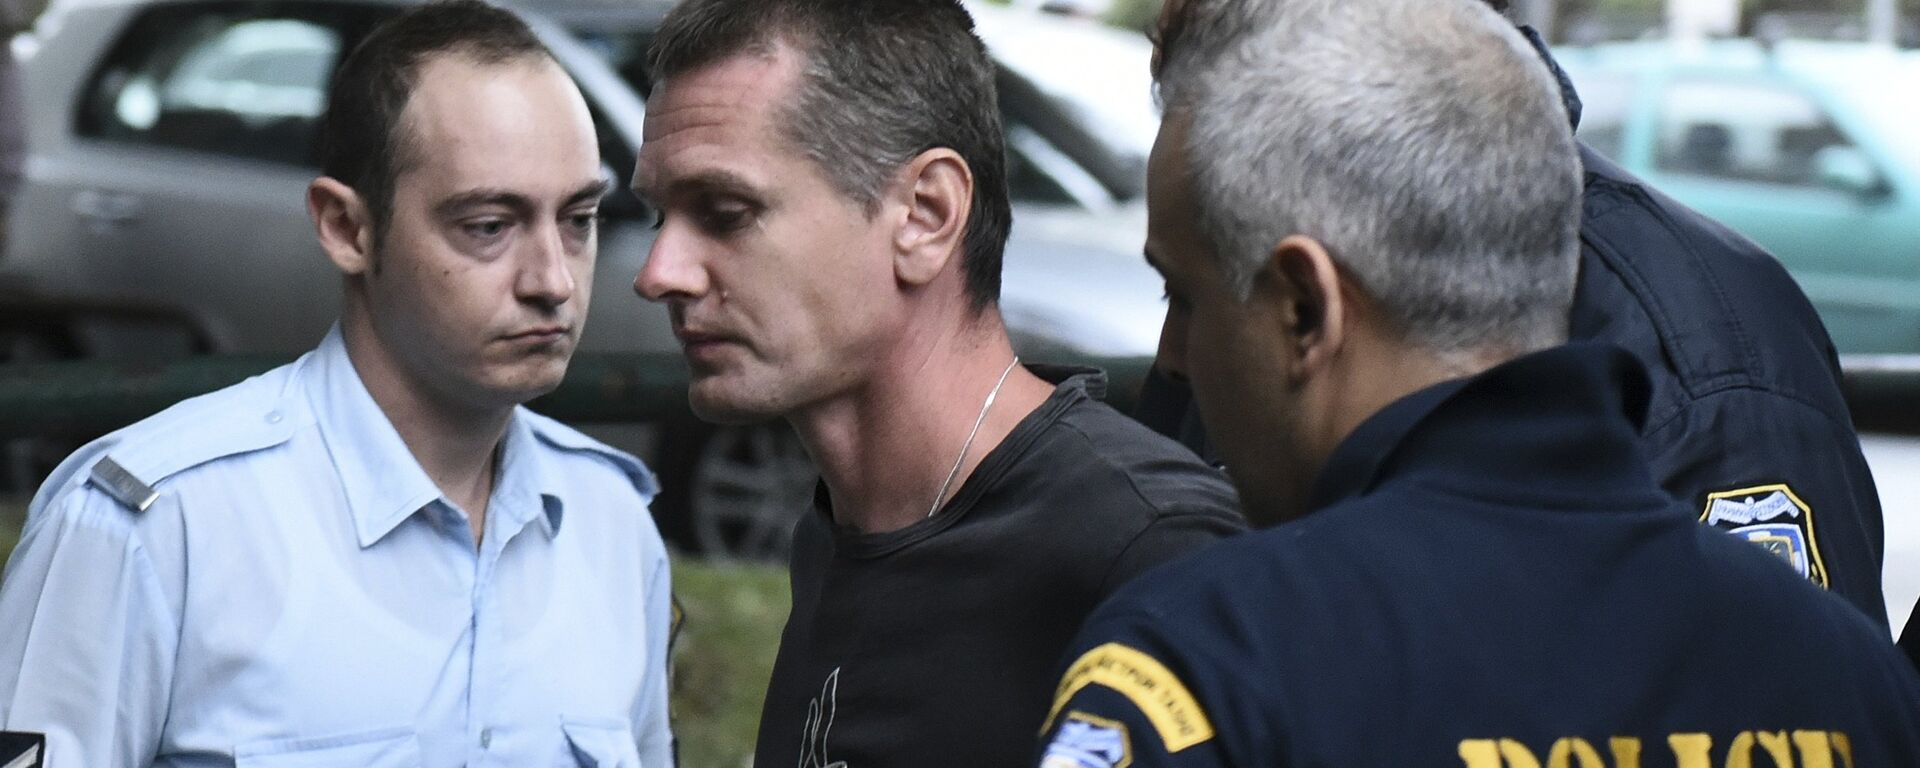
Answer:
[(968, 445)]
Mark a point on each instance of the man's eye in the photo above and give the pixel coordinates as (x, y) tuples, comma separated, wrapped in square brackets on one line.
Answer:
[(722, 220), (486, 228), (585, 222)]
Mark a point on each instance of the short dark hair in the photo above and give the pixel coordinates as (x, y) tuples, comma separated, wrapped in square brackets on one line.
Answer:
[(883, 82), (362, 142)]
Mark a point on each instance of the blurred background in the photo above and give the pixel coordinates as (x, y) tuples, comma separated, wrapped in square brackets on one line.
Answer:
[(154, 244)]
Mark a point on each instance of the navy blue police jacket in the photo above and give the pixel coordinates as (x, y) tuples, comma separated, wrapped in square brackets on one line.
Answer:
[(1746, 423), (1492, 577)]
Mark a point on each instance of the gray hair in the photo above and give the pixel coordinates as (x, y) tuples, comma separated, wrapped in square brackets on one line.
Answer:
[(1422, 142), (884, 81)]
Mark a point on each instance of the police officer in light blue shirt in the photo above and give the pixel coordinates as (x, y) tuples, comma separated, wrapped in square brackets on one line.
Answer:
[(374, 556)]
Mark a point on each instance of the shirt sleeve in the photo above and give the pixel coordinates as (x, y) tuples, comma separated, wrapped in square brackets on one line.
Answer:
[(652, 725), (1171, 536), (1166, 406), (87, 635), (1125, 699)]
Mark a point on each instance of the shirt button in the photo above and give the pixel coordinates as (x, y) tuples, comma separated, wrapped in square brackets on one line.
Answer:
[(273, 417), (486, 738)]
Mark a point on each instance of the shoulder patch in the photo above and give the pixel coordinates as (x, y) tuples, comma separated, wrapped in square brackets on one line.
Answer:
[(1172, 709), (22, 749), (1087, 741), (1774, 518), (115, 481)]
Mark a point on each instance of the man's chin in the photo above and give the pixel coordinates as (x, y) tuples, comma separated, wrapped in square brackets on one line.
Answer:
[(528, 383), (713, 402)]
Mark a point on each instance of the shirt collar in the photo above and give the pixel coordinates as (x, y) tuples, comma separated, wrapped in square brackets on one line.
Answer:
[(1561, 421), (384, 484), (520, 495)]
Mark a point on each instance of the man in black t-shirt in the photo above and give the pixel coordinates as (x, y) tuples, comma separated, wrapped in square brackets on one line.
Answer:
[(831, 176)]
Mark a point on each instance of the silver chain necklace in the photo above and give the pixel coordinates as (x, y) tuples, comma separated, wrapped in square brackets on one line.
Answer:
[(964, 447)]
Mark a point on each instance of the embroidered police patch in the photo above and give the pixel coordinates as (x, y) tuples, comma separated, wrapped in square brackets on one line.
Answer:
[(22, 749), (1772, 517), (1086, 741)]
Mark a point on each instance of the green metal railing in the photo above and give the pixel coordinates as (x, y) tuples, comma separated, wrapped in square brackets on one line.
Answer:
[(92, 397)]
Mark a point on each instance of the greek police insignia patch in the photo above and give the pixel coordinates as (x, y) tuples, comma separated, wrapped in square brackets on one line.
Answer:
[(22, 749), (1086, 741), (1772, 517), (1172, 710)]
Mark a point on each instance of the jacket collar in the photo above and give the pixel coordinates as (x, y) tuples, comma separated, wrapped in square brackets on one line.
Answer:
[(1568, 96), (1559, 426)]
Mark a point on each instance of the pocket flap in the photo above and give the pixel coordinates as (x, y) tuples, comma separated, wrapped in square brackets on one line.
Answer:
[(382, 748), (602, 743)]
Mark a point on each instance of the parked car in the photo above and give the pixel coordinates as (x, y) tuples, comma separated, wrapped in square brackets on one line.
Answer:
[(172, 141), (1808, 148)]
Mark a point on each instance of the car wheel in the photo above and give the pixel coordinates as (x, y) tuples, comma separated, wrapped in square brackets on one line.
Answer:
[(744, 489)]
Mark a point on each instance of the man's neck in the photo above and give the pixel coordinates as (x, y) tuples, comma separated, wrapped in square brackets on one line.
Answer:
[(886, 448), (456, 446)]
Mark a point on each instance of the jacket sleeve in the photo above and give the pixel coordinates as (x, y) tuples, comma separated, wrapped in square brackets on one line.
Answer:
[(1125, 699), (1747, 438), (88, 635)]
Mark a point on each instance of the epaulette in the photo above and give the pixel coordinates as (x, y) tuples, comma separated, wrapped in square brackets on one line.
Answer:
[(128, 464), (114, 480), (566, 438)]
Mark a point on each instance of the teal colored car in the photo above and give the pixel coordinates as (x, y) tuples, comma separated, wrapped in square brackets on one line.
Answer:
[(1812, 149)]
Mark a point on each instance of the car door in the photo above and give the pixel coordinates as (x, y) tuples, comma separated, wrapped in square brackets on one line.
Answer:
[(1767, 158), (184, 179)]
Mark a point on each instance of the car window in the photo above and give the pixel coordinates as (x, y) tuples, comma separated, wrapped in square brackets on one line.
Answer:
[(247, 81), (1743, 131), (1605, 102)]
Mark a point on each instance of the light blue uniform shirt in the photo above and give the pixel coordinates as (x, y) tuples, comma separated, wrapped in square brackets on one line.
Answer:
[(301, 594)]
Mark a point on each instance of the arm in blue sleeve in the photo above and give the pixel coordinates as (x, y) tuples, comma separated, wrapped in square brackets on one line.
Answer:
[(652, 726), (87, 635), (1125, 699)]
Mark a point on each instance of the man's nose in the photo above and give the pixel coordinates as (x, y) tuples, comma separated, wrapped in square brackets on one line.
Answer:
[(545, 276), (673, 268)]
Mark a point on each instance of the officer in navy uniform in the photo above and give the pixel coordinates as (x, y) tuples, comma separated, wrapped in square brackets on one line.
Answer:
[(1746, 418), (373, 555), (1910, 640), (1366, 212)]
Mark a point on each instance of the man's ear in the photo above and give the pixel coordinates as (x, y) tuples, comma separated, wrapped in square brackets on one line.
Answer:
[(344, 224), (936, 193), (1304, 279)]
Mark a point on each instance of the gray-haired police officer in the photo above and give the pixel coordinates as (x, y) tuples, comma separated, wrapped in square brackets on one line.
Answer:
[(1367, 215)]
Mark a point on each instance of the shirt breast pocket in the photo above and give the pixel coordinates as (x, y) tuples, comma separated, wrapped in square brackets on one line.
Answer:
[(383, 748), (602, 743)]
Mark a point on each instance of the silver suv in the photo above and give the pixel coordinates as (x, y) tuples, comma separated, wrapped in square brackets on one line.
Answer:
[(172, 141)]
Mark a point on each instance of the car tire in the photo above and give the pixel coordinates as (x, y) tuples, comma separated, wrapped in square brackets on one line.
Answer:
[(733, 492)]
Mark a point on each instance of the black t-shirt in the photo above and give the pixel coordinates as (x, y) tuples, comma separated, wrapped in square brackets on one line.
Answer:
[(935, 644)]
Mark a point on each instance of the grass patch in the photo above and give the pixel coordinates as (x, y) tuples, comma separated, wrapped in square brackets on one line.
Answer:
[(734, 613)]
